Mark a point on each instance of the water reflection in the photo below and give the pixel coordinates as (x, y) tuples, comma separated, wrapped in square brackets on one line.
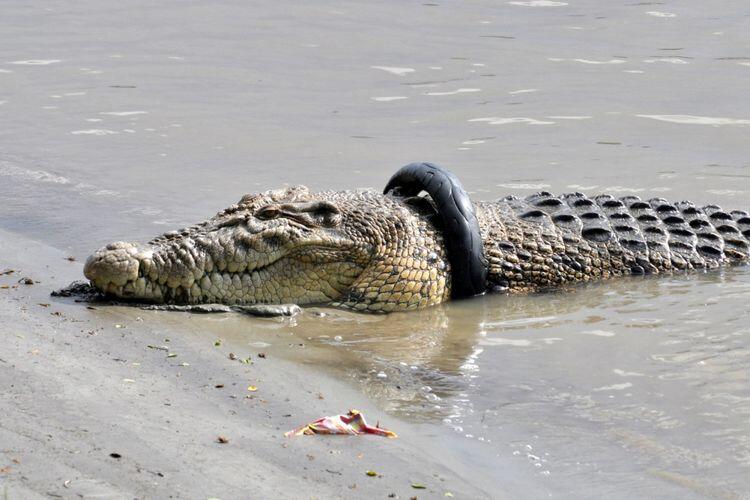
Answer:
[(626, 372), (416, 364)]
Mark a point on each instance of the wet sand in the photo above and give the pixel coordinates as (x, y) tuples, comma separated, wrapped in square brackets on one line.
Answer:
[(80, 385)]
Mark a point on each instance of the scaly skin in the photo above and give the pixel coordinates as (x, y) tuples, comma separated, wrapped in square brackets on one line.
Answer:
[(358, 250), (368, 252)]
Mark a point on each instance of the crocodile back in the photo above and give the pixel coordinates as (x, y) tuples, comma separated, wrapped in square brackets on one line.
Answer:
[(545, 240)]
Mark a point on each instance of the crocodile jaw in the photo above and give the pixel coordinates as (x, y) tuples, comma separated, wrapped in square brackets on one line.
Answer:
[(174, 275), (130, 271)]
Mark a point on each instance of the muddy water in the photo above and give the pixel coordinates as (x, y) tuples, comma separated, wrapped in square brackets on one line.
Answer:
[(123, 122)]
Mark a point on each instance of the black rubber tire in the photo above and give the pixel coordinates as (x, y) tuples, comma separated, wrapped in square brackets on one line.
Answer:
[(462, 237)]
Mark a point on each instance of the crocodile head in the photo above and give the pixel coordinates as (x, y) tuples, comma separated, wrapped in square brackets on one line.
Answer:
[(359, 250)]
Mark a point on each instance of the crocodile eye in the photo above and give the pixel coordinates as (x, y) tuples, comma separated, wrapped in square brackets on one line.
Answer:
[(267, 213)]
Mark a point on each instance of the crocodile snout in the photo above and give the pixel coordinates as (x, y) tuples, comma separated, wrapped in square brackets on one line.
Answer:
[(113, 266)]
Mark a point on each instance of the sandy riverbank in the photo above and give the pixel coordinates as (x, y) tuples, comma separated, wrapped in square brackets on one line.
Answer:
[(79, 385)]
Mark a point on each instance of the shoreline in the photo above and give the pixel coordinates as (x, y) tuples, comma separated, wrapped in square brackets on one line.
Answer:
[(82, 384)]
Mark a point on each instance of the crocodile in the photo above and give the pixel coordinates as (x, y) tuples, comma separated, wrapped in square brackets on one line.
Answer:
[(402, 250)]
